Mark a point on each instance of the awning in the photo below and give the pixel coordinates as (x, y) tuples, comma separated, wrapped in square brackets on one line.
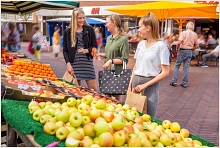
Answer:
[(25, 7)]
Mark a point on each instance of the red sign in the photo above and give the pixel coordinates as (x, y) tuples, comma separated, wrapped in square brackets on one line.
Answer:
[(207, 2), (95, 10)]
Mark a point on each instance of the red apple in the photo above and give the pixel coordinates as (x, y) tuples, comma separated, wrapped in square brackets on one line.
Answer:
[(108, 116)]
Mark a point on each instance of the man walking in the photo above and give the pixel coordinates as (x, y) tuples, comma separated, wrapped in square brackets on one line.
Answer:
[(187, 42)]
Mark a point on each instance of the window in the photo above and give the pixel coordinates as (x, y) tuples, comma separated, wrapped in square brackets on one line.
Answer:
[(11, 16), (3, 16)]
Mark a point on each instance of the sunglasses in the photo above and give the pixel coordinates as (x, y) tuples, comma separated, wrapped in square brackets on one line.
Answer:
[(77, 9)]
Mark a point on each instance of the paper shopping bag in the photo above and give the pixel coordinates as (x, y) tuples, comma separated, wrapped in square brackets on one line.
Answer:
[(136, 100), (70, 77)]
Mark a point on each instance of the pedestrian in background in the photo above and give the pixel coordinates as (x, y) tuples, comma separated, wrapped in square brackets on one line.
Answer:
[(117, 47), (14, 43), (36, 42), (56, 42), (98, 38), (79, 39), (188, 41), (152, 63), (4, 38)]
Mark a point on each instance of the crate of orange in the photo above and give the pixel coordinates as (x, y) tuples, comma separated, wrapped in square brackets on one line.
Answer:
[(32, 69)]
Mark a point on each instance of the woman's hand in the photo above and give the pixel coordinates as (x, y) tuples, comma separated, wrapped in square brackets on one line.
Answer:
[(82, 50), (141, 87), (69, 68), (130, 87), (107, 64), (101, 55)]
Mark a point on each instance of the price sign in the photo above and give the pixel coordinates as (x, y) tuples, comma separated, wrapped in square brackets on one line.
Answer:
[(35, 87), (23, 86)]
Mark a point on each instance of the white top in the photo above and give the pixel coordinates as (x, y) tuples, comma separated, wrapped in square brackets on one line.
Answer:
[(149, 60), (216, 49)]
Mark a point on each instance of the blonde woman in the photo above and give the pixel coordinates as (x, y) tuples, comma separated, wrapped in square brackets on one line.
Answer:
[(56, 42), (79, 39), (152, 63), (117, 47)]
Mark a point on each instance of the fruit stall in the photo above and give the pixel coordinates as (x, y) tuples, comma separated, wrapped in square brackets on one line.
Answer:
[(46, 111)]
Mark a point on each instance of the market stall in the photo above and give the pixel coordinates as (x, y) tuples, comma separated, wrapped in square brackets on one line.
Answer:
[(44, 110)]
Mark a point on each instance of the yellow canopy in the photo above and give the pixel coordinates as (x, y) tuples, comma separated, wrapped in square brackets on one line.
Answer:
[(164, 10)]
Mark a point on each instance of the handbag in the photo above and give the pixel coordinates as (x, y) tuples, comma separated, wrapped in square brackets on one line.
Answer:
[(30, 49), (38, 47), (136, 100), (112, 84), (70, 77), (56, 49)]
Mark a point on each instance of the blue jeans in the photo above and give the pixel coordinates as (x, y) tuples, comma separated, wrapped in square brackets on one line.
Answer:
[(184, 56)]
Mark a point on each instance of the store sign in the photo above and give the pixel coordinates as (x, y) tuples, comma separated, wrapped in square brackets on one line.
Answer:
[(207, 2), (95, 10)]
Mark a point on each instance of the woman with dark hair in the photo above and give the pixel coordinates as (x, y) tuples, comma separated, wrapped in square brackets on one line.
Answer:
[(13, 38), (79, 40)]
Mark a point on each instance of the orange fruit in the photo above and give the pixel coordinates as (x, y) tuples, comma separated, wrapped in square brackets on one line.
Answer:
[(17, 69), (29, 68)]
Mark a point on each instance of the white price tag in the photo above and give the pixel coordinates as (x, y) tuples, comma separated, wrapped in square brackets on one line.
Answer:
[(35, 87), (23, 86)]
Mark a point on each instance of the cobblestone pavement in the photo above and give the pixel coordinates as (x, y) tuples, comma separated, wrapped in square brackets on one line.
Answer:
[(195, 107)]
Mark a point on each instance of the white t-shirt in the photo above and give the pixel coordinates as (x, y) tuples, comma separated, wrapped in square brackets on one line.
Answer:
[(35, 36), (149, 60)]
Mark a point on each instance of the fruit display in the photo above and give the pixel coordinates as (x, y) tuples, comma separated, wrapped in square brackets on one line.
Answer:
[(7, 58), (92, 122), (44, 93), (32, 69)]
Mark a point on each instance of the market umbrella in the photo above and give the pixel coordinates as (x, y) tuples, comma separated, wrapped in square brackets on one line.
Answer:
[(25, 7), (165, 9)]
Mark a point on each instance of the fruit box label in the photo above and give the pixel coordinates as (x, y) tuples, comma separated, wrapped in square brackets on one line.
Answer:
[(23, 86), (35, 87)]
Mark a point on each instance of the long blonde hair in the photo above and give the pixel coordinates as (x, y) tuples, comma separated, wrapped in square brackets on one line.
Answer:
[(153, 22), (73, 24), (117, 20)]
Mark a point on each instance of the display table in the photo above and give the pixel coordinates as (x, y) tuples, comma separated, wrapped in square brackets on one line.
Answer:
[(20, 123)]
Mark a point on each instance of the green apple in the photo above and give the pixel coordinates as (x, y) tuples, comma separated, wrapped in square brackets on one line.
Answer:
[(80, 129), (70, 128), (93, 103), (126, 107), (134, 142), (166, 124), (71, 102), (101, 104), (62, 133), (153, 138), (132, 135), (157, 132), (89, 130), (52, 120), (76, 135), (52, 111), (71, 142), (111, 108), (71, 110), (42, 104), (86, 111), (56, 105), (119, 105), (86, 120), (62, 116), (160, 128), (145, 143), (142, 135), (50, 128), (96, 140), (34, 108), (175, 127), (139, 120), (94, 114), (64, 104), (119, 138), (108, 116), (86, 142), (177, 144), (87, 99), (60, 124), (48, 106), (82, 106), (101, 127), (146, 117), (49, 103), (106, 139), (136, 131), (32, 103), (134, 108), (184, 133), (135, 113), (37, 114), (46, 111), (159, 144), (118, 123), (173, 138), (99, 119), (130, 116), (78, 102), (44, 118), (75, 119), (165, 139)]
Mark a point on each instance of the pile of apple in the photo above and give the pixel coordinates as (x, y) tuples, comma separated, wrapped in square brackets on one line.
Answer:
[(100, 123), (7, 58)]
